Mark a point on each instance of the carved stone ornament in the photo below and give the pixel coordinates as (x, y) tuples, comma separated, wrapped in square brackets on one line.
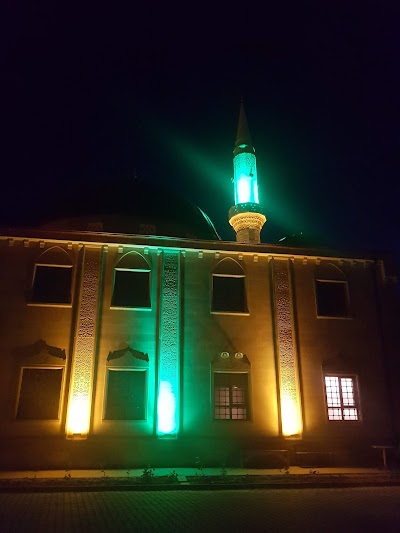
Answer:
[(116, 354), (37, 347), (247, 220), (232, 360)]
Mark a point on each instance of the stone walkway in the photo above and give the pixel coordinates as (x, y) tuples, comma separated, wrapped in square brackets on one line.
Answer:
[(312, 510)]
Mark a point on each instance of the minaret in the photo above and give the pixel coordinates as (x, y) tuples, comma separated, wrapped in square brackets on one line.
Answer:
[(246, 216)]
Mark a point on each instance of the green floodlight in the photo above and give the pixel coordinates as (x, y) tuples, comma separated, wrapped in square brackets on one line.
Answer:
[(245, 178)]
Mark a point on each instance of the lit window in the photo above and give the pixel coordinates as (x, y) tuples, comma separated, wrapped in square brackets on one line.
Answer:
[(332, 298), (229, 294), (230, 396), (341, 398), (126, 395), (52, 284), (131, 289), (39, 395)]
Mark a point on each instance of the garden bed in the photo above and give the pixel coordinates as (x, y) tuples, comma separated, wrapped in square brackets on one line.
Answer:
[(172, 481)]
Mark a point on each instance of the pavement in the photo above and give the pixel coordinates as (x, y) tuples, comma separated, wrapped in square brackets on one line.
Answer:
[(194, 479), (352, 510)]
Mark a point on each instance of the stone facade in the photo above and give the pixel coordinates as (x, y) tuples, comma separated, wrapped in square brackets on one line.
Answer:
[(160, 379)]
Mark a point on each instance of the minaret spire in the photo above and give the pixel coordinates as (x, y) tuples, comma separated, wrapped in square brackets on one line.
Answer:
[(243, 133), (246, 216)]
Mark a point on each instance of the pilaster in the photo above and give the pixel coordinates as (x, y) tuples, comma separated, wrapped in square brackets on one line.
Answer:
[(289, 388), (81, 386)]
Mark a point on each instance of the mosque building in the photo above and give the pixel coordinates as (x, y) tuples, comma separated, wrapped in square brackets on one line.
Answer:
[(134, 336)]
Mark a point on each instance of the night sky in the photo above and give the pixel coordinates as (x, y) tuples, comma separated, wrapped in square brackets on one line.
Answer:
[(153, 95)]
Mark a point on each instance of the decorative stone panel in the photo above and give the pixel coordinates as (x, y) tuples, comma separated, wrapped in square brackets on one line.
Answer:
[(79, 405), (287, 356), (169, 346)]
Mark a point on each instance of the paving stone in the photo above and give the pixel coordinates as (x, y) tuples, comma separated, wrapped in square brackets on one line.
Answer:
[(352, 509)]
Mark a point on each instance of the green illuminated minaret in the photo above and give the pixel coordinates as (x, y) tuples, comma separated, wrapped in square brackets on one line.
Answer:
[(247, 215)]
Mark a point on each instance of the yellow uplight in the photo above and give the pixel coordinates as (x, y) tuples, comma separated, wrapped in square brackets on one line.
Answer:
[(78, 418), (291, 419)]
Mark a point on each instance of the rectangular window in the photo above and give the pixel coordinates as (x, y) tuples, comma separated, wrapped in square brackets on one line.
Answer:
[(39, 395), (341, 398), (52, 284), (332, 298), (231, 396), (229, 294), (126, 395), (131, 289)]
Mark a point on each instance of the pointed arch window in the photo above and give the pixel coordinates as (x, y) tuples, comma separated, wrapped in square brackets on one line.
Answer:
[(131, 287), (331, 292), (52, 278), (229, 288)]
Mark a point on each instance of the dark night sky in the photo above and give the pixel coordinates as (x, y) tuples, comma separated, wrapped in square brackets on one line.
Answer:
[(94, 96)]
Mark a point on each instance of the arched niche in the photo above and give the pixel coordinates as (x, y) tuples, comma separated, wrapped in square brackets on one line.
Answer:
[(228, 267), (131, 283), (329, 271), (52, 277), (132, 261), (228, 288), (331, 292)]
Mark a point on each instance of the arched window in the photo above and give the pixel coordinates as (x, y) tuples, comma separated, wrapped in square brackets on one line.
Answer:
[(228, 288), (52, 278), (331, 292), (131, 287)]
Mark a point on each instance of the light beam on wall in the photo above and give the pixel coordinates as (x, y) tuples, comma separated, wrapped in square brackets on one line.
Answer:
[(288, 371), (79, 403), (78, 419), (291, 421), (166, 421)]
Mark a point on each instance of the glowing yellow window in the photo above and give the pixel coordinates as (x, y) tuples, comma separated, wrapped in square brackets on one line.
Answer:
[(231, 396), (341, 398)]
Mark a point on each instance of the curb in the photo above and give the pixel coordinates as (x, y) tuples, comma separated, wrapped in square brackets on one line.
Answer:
[(45, 485)]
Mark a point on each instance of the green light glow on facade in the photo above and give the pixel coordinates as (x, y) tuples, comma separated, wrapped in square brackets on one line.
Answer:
[(169, 349), (245, 178), (166, 408)]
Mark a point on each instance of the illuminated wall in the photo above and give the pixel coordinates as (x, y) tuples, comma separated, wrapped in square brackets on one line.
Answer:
[(288, 372), (168, 400), (79, 404), (179, 324)]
